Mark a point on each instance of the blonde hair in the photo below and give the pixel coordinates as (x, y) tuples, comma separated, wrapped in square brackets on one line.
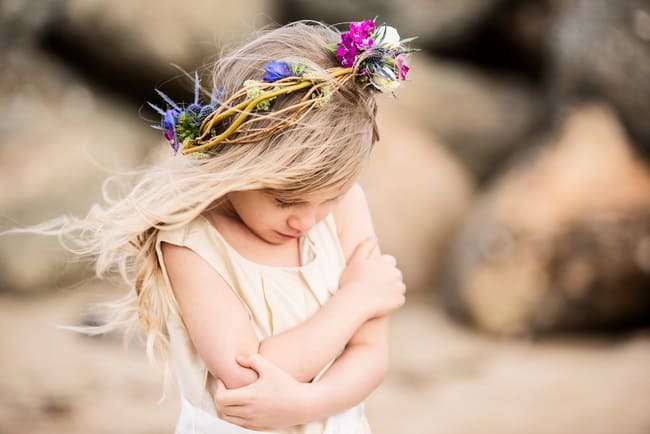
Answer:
[(327, 148)]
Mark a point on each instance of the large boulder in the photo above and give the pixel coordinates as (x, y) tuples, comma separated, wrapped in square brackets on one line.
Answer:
[(602, 48), (129, 47), (561, 240), (60, 140), (483, 119), (417, 192)]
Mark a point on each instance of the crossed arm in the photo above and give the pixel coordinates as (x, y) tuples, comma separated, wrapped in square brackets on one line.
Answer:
[(341, 327)]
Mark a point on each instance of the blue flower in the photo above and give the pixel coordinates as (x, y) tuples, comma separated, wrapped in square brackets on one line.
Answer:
[(277, 70), (170, 118)]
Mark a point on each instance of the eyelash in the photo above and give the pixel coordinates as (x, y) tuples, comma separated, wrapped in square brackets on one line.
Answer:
[(282, 204)]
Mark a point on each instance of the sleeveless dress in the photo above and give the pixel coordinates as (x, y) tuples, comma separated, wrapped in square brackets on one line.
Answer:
[(276, 299)]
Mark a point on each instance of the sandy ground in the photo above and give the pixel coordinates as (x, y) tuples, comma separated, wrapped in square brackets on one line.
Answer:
[(444, 378)]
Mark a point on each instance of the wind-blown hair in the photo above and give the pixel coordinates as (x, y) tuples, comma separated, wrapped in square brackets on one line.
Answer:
[(325, 149)]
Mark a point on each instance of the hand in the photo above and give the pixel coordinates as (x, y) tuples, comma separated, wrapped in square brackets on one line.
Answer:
[(274, 401), (375, 279)]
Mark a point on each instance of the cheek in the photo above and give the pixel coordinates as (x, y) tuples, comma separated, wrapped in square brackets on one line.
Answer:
[(323, 211)]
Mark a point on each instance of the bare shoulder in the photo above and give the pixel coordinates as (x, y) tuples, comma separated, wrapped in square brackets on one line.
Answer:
[(188, 272), (353, 219), (184, 264)]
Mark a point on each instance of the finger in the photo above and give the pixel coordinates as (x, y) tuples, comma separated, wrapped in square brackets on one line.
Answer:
[(243, 418), (234, 397), (241, 411), (363, 250), (235, 420), (253, 361), (218, 394), (391, 260)]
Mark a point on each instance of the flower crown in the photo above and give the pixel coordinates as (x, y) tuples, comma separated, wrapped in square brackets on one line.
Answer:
[(373, 55)]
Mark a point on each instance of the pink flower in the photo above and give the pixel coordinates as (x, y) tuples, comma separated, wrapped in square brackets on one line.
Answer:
[(403, 69)]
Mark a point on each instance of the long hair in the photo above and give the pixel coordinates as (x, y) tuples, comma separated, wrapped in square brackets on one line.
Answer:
[(326, 148)]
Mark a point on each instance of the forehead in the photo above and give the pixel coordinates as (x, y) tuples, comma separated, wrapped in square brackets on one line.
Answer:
[(313, 196)]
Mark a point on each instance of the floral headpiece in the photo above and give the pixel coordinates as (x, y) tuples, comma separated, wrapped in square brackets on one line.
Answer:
[(374, 55)]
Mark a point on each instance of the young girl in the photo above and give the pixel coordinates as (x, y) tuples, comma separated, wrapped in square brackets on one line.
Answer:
[(251, 252)]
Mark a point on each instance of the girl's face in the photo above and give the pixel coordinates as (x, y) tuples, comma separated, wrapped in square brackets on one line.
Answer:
[(279, 220)]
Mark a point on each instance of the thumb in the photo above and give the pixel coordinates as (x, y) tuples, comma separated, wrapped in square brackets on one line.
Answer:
[(253, 361), (363, 250)]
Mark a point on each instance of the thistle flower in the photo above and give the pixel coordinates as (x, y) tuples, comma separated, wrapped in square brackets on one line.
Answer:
[(180, 123)]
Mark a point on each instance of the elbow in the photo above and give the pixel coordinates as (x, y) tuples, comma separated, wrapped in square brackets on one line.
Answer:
[(234, 375), (377, 359), (383, 363), (300, 371), (380, 363)]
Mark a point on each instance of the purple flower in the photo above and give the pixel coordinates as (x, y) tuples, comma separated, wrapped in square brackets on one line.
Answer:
[(356, 40), (360, 34), (347, 50), (277, 70)]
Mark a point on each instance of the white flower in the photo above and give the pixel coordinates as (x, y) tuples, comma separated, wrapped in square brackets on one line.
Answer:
[(384, 80), (387, 37)]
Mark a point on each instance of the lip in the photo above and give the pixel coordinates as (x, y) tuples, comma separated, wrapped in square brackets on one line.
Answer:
[(287, 236)]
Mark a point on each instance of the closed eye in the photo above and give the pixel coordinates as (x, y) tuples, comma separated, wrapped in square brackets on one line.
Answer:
[(285, 204)]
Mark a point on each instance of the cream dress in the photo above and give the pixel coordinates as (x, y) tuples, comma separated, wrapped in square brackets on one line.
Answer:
[(276, 298)]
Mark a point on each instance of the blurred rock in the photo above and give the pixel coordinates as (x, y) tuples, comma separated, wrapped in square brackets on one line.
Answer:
[(483, 119), (434, 22), (22, 20), (562, 239), (59, 140), (602, 48), (131, 46), (513, 39), (417, 193)]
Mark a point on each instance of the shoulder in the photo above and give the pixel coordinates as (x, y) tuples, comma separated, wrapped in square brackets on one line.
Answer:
[(353, 219), (180, 234)]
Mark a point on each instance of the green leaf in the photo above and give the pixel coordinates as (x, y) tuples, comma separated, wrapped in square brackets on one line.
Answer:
[(407, 40), (297, 68), (332, 47)]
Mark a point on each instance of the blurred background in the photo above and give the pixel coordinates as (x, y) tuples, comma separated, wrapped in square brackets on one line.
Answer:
[(512, 183)]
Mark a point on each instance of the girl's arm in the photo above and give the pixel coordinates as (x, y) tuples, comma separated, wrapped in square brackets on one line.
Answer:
[(364, 363), (276, 401), (220, 328), (209, 306)]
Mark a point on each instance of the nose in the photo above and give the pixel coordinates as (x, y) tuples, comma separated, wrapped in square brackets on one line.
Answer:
[(303, 221)]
